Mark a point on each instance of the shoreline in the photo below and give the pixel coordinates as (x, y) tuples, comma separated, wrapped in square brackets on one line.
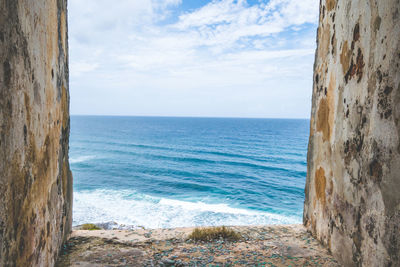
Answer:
[(267, 245)]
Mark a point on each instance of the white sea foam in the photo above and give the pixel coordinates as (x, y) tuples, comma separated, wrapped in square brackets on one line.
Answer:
[(203, 207), (129, 208), (80, 159)]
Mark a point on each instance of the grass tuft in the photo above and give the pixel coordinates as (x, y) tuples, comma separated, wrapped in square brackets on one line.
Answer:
[(214, 233), (90, 226)]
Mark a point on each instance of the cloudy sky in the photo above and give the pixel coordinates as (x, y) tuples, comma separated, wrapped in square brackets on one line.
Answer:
[(211, 58)]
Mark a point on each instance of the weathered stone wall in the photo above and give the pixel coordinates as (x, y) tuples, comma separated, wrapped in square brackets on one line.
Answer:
[(35, 180), (352, 200)]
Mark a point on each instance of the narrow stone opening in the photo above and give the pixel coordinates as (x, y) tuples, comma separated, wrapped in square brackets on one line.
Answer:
[(189, 87), (351, 207)]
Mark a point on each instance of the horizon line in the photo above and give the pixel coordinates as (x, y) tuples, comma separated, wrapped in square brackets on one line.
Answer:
[(193, 117)]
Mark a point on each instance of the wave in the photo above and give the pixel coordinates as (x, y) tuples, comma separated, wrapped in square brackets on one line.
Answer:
[(192, 153), (128, 207), (81, 159), (261, 165), (201, 206)]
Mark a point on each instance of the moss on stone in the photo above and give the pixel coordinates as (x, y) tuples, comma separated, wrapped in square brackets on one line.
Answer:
[(90, 226), (214, 233)]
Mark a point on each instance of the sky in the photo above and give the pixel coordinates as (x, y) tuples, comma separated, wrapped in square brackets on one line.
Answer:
[(196, 58)]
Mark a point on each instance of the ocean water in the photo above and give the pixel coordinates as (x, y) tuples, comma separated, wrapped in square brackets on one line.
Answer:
[(175, 172)]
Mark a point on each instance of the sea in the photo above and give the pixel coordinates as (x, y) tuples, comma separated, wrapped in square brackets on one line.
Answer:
[(165, 172)]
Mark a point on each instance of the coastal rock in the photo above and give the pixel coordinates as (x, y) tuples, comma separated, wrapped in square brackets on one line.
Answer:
[(352, 200), (289, 245), (35, 179)]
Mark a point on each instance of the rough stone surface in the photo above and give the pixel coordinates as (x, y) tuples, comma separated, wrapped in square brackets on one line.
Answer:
[(276, 245), (35, 180), (352, 200)]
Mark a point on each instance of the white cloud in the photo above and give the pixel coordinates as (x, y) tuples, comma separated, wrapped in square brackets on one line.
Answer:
[(128, 46), (228, 21), (79, 67)]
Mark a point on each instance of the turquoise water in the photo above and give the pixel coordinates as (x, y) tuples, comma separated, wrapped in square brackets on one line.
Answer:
[(173, 172)]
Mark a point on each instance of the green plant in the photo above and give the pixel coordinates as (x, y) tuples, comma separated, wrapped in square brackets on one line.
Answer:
[(214, 233), (90, 226)]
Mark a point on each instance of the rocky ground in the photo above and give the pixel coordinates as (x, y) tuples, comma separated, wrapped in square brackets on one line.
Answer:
[(288, 245)]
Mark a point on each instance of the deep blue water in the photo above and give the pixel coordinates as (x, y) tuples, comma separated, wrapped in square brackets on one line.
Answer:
[(171, 172)]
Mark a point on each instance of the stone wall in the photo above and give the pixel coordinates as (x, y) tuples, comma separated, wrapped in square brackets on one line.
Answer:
[(352, 200), (35, 180)]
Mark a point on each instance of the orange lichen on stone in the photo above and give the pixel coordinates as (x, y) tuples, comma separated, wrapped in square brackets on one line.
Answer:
[(345, 57), (320, 185), (323, 120), (330, 4)]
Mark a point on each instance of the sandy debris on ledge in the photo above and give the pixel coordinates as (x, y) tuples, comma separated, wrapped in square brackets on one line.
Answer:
[(280, 245)]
